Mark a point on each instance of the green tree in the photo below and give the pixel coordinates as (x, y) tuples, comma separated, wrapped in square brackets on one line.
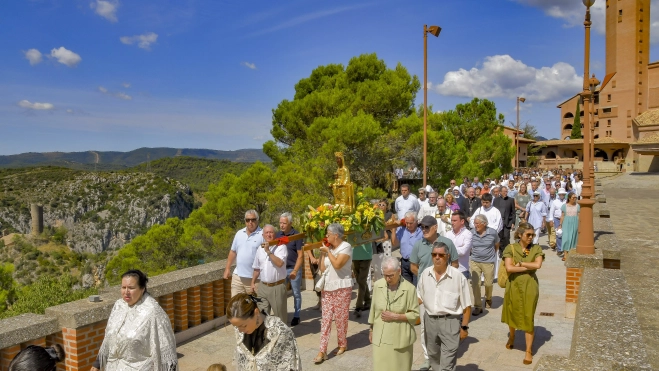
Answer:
[(576, 126), (530, 131), (7, 286)]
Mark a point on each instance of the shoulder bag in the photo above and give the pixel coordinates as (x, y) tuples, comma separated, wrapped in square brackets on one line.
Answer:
[(502, 277)]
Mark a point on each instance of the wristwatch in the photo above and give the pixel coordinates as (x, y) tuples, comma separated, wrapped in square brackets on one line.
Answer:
[(464, 327)]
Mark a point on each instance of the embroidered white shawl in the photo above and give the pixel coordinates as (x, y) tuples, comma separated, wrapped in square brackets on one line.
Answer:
[(138, 338), (280, 354)]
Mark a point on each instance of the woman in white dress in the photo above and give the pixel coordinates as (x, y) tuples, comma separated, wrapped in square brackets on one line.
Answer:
[(139, 335)]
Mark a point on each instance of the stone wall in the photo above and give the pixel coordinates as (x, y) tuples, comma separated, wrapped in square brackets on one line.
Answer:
[(194, 298)]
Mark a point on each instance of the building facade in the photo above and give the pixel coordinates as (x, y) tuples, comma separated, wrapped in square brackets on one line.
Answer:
[(622, 108)]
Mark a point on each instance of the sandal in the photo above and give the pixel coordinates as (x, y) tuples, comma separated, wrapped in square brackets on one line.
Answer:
[(510, 343), (340, 351), (320, 358), (526, 361)]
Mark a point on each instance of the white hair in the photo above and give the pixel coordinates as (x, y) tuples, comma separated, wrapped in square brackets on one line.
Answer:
[(389, 262), (253, 212), (481, 218), (288, 216), (412, 214), (336, 228)]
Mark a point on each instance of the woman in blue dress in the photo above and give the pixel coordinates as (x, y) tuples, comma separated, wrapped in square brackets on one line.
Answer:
[(569, 223)]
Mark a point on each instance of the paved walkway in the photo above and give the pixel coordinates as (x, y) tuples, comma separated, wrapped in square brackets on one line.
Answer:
[(482, 350), (633, 203)]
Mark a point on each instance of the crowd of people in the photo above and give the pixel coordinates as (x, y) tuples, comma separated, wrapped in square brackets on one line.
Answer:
[(450, 244)]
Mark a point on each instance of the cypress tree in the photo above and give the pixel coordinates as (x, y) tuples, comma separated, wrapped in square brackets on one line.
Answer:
[(576, 126)]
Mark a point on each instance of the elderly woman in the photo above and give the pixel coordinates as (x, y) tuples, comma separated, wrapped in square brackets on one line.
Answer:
[(536, 211), (522, 199), (139, 335), (335, 265), (394, 312), (263, 342), (522, 260), (451, 204)]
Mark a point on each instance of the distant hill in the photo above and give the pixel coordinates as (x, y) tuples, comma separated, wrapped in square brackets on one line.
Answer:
[(539, 138), (111, 160)]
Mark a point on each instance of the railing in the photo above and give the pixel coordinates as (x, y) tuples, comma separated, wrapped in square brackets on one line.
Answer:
[(194, 299), (558, 161)]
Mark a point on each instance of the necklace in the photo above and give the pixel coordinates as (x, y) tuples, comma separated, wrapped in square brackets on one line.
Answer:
[(395, 292)]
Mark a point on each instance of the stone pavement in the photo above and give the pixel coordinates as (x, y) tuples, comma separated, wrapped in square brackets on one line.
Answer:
[(633, 203), (484, 349)]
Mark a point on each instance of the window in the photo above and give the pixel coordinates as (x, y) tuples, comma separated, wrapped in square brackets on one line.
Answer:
[(607, 110), (608, 99), (613, 84), (620, 12), (608, 123)]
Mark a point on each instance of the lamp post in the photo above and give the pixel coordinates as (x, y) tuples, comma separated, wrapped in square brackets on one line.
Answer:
[(517, 133), (586, 240), (593, 83), (433, 30)]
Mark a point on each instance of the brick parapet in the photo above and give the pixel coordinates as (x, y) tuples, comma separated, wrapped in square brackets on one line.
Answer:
[(189, 296)]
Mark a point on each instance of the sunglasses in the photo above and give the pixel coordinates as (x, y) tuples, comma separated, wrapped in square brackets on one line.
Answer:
[(438, 255), (425, 227), (250, 220), (530, 235)]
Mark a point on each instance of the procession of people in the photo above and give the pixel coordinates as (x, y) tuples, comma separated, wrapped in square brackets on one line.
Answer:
[(448, 244)]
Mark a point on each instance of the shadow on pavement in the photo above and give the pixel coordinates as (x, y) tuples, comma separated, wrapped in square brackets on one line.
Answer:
[(468, 367)]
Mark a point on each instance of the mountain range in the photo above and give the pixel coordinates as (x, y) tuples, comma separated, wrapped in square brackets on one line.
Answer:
[(114, 160)]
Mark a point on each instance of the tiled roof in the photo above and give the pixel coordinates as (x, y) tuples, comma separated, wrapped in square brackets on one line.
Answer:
[(649, 139), (648, 118), (580, 141), (607, 78)]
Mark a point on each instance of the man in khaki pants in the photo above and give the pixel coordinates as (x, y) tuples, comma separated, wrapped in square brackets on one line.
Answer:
[(484, 249)]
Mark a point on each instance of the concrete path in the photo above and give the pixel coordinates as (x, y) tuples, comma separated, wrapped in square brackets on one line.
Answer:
[(633, 203), (484, 349)]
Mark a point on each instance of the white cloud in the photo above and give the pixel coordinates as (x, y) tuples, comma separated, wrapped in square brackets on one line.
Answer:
[(143, 41), (251, 66), (65, 56), (120, 95), (502, 76), (34, 56), (36, 105), (124, 96), (106, 9), (125, 85), (69, 110), (573, 13)]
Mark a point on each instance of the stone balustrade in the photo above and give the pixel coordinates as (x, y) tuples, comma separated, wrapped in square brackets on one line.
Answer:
[(194, 298)]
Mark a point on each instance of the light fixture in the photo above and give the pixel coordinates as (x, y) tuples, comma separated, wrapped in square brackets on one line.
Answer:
[(588, 3)]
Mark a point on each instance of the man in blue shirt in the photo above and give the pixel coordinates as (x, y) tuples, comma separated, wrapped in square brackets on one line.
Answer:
[(405, 238), (293, 262), (243, 251)]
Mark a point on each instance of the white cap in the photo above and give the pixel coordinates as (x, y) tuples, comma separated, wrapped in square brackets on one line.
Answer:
[(561, 191), (532, 178), (456, 188), (536, 193)]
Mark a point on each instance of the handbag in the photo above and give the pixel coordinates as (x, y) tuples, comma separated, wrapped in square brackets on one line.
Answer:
[(320, 285), (502, 277)]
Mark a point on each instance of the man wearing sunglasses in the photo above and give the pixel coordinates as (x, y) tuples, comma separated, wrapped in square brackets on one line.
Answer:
[(444, 293), (421, 258), (243, 250)]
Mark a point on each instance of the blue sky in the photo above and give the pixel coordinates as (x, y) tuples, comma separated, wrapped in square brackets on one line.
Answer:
[(80, 75)]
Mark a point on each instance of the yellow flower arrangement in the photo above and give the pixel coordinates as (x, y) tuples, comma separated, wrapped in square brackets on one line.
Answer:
[(366, 217)]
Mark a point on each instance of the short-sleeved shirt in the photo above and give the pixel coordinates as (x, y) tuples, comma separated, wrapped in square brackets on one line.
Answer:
[(421, 253), (270, 273), (407, 240), (448, 295), (245, 247), (482, 247), (293, 248), (363, 252)]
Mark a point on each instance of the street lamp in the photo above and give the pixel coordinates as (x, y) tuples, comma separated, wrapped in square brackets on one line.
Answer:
[(593, 82), (517, 133), (433, 30), (586, 240)]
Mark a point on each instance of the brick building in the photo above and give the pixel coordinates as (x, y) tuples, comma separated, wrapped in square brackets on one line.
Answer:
[(625, 108)]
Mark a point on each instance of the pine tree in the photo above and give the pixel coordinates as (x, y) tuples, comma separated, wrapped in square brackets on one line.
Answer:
[(576, 127)]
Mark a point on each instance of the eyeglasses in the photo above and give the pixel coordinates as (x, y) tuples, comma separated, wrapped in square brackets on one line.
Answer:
[(425, 227), (250, 220), (438, 255)]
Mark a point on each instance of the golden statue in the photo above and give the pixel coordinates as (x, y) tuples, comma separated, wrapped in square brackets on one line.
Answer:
[(343, 188)]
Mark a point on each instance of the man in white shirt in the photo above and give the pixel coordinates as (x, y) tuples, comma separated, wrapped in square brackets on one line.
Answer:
[(270, 266), (461, 238), (405, 202), (430, 207), (452, 184), (578, 186), (445, 293), (555, 214), (444, 220), (422, 197), (243, 250), (492, 214)]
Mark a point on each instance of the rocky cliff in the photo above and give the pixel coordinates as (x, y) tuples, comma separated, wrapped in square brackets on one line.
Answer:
[(101, 210)]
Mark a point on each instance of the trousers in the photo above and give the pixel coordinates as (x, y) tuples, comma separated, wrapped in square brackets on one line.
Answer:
[(442, 339), (487, 269), (362, 268)]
